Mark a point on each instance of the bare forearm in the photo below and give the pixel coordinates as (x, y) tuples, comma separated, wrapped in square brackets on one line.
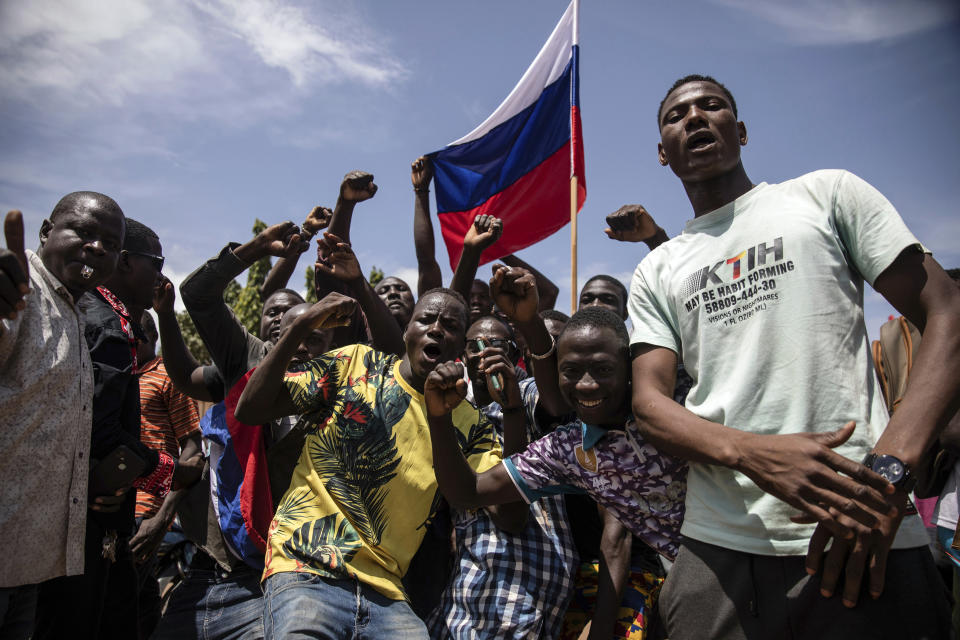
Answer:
[(614, 569), (539, 341), (384, 329), (466, 272), (429, 276), (657, 239), (457, 481), (514, 431), (342, 219), (265, 398), (279, 276), (177, 359), (546, 289)]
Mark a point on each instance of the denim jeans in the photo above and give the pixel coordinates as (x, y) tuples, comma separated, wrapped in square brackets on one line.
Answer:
[(304, 605), (212, 604)]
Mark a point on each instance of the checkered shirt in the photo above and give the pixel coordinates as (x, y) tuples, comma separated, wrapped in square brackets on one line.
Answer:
[(504, 585)]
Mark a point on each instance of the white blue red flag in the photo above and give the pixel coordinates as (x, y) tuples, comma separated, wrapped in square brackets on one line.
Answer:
[(518, 164)]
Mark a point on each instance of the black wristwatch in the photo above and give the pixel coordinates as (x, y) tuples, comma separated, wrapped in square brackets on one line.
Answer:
[(893, 469)]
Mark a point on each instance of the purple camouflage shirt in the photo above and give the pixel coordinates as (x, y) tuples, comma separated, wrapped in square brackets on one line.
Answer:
[(641, 486)]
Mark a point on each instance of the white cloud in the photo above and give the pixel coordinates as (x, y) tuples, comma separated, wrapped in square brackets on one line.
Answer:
[(108, 52), (849, 21)]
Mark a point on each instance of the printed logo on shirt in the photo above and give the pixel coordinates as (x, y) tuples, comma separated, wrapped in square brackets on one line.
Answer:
[(736, 288), (587, 459)]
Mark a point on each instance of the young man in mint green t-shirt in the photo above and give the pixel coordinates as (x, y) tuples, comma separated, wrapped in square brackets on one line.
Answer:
[(761, 297)]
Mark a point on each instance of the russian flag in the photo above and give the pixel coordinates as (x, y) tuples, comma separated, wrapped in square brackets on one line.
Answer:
[(518, 164)]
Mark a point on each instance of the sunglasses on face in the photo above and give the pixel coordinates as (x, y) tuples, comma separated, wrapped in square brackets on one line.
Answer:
[(156, 260), (476, 346)]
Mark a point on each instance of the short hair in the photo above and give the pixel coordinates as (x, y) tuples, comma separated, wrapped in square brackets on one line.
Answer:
[(453, 294), (619, 285), (954, 273), (138, 236), (71, 202), (556, 316), (290, 292), (696, 77), (499, 318), (600, 318)]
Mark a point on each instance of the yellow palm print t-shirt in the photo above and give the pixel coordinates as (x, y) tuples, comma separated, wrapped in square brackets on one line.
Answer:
[(364, 489)]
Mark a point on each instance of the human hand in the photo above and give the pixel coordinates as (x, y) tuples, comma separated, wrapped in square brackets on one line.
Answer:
[(357, 186), (852, 558), (148, 537), (333, 310), (444, 389), (631, 223), (499, 372), (283, 240), (421, 172), (317, 220), (803, 471), (514, 291), (340, 261), (484, 231), (110, 503), (14, 269), (164, 295)]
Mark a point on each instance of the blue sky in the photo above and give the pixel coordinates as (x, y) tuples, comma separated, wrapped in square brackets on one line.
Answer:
[(200, 115)]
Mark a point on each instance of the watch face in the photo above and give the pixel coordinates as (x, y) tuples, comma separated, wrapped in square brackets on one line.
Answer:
[(889, 467)]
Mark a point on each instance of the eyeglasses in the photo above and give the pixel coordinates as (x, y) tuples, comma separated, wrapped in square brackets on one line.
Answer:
[(476, 346), (156, 260)]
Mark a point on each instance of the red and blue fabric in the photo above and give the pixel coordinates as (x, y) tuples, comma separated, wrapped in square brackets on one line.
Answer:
[(239, 483), (517, 165)]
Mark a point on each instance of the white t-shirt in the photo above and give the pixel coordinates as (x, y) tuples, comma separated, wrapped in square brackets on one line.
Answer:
[(947, 510), (763, 301)]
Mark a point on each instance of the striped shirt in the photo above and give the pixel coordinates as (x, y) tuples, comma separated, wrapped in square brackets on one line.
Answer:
[(166, 417)]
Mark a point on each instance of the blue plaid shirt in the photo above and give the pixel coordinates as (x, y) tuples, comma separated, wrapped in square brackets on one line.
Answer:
[(504, 585)]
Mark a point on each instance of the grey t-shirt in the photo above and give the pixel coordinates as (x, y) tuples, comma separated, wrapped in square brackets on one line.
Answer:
[(763, 300)]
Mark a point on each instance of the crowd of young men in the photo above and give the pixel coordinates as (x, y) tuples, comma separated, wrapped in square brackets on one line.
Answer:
[(472, 463)]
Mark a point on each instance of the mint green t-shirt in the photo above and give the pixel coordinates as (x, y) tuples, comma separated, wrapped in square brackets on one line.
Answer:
[(763, 301)]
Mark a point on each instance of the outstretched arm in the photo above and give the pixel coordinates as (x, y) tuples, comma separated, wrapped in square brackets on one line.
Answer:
[(265, 397), (515, 292), (632, 223), (317, 220), (545, 287), (460, 485), (341, 263), (356, 186), (484, 231), (184, 370), (429, 276)]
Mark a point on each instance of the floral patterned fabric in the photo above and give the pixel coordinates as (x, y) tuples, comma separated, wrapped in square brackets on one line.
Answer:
[(364, 489), (641, 486)]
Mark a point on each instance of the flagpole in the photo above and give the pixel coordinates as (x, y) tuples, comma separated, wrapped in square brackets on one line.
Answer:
[(573, 184), (573, 245)]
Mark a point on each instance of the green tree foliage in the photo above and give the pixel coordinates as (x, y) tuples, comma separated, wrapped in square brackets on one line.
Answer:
[(376, 275), (311, 285), (248, 305)]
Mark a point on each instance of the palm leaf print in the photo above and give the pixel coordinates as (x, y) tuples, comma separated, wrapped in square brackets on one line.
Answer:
[(293, 506), (358, 460), (478, 439), (378, 367), (323, 544)]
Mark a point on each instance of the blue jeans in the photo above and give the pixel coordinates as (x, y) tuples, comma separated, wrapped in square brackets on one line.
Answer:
[(304, 605), (215, 605)]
